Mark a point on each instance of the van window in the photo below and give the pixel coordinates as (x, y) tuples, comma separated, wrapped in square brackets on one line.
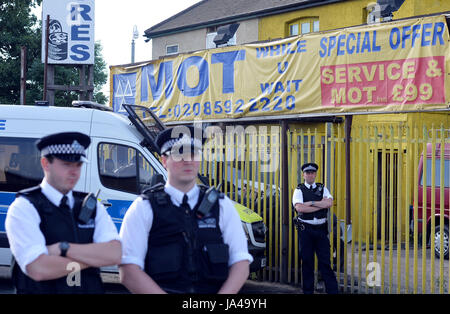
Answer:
[(438, 173), (20, 166), (120, 170)]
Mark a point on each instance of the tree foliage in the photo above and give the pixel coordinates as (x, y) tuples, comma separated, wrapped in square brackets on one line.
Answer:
[(19, 27)]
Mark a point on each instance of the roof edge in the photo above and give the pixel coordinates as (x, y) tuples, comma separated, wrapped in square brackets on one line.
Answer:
[(174, 16), (266, 12)]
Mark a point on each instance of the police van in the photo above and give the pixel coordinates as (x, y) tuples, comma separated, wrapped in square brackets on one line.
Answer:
[(122, 160)]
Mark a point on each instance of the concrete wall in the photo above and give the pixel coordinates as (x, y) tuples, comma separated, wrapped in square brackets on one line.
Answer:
[(196, 39), (187, 41)]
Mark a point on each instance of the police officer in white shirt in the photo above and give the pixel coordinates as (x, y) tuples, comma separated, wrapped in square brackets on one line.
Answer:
[(312, 200), (169, 245), (50, 235)]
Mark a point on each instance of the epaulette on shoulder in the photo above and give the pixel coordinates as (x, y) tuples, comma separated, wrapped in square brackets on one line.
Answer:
[(34, 196), (29, 191), (154, 188), (299, 186), (157, 191)]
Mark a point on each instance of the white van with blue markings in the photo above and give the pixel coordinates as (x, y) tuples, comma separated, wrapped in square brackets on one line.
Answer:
[(121, 156)]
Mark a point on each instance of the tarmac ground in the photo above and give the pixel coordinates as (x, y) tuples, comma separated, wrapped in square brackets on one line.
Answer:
[(112, 285)]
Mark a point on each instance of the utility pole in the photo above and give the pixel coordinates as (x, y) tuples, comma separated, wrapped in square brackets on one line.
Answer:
[(135, 36), (23, 75), (47, 29)]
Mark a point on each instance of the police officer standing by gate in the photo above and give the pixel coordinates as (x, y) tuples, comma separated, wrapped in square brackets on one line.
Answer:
[(58, 240), (312, 200), (182, 237)]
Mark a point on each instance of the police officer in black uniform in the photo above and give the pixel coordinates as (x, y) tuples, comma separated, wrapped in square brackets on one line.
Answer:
[(57, 243), (180, 237), (311, 201)]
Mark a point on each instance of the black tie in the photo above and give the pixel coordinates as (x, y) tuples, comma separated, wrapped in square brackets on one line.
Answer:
[(64, 205), (185, 203), (187, 234)]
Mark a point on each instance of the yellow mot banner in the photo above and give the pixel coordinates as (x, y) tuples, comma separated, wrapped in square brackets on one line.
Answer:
[(396, 66)]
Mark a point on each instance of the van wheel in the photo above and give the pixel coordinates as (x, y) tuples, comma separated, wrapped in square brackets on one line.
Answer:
[(437, 241)]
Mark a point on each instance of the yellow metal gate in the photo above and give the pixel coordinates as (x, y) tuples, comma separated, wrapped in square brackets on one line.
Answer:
[(390, 186)]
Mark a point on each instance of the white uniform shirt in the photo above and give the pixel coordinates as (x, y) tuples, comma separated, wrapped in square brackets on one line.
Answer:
[(298, 198), (26, 240), (138, 221)]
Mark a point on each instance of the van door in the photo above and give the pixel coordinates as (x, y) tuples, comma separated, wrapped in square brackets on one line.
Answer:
[(121, 170)]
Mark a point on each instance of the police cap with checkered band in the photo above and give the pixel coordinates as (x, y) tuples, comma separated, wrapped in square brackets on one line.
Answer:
[(67, 146), (178, 137), (310, 166)]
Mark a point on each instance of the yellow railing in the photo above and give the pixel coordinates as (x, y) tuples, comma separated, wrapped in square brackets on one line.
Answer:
[(380, 245)]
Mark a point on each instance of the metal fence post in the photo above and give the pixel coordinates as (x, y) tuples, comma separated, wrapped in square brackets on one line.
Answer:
[(285, 200)]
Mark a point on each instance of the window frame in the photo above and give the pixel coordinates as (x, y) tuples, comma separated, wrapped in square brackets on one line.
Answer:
[(438, 170), (308, 24), (171, 46), (313, 21), (137, 155), (291, 25), (30, 155)]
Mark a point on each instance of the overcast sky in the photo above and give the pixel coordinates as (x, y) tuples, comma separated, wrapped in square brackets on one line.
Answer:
[(114, 21)]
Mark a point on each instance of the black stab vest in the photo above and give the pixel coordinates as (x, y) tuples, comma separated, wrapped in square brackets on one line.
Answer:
[(315, 195), (59, 225), (186, 254)]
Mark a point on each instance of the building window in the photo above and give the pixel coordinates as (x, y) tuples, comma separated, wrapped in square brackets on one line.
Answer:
[(316, 27), (306, 28), (293, 29), (171, 50), (303, 26)]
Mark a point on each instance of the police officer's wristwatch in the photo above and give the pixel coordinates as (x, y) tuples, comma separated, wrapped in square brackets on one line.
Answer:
[(64, 247), (312, 203)]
